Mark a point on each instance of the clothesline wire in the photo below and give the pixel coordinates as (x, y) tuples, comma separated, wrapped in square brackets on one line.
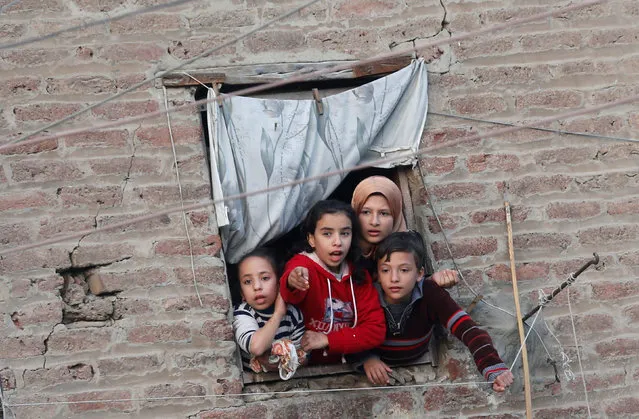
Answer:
[(299, 76), (373, 163), (158, 75), (550, 130), (89, 24), (266, 393)]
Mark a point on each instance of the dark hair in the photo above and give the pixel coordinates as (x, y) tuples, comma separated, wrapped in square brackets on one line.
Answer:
[(332, 206), (403, 241), (264, 253)]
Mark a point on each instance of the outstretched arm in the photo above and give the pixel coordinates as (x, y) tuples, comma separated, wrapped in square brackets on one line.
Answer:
[(465, 329)]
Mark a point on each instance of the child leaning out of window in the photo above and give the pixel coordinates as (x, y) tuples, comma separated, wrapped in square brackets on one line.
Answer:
[(265, 326), (413, 305)]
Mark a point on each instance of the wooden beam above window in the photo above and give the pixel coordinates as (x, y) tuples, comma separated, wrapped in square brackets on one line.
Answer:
[(267, 73)]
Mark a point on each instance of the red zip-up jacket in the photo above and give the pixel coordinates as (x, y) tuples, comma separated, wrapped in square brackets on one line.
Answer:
[(343, 338)]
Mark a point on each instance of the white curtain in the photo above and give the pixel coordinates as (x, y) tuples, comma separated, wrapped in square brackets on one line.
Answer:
[(260, 143)]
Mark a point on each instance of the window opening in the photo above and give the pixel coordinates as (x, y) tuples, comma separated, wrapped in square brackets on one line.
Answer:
[(344, 191)]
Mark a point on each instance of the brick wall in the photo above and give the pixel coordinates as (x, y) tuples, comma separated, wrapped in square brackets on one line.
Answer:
[(147, 335)]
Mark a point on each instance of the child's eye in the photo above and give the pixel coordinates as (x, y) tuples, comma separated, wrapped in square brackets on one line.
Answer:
[(405, 270), (246, 282), (346, 233), (266, 278), (385, 213), (366, 212), (384, 270), (326, 234)]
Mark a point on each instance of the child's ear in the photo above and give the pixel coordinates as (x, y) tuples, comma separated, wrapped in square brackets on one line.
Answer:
[(311, 240), (421, 274)]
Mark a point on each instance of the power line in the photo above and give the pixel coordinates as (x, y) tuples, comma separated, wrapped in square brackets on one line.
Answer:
[(402, 156), (551, 130), (89, 24), (163, 73), (266, 393), (302, 75)]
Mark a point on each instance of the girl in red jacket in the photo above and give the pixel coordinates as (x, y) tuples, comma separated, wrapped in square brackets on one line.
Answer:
[(341, 308)]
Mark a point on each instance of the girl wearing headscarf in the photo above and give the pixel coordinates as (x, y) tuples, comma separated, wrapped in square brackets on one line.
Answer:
[(377, 201)]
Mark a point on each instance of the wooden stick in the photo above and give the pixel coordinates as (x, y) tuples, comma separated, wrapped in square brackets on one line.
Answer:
[(520, 325)]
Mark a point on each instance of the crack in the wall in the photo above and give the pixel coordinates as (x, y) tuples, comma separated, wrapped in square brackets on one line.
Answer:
[(77, 246), (444, 21), (443, 27), (443, 66), (127, 177), (46, 346)]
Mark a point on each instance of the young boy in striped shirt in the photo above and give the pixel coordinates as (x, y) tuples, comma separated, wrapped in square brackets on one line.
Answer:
[(413, 305), (263, 317)]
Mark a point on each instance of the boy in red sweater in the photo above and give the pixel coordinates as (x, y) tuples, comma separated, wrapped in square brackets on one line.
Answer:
[(413, 306), (341, 309)]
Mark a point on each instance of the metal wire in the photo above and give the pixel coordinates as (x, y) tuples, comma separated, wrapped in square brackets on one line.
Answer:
[(550, 130), (89, 24)]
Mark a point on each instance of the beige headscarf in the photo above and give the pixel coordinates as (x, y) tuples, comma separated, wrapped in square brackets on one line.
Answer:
[(383, 186)]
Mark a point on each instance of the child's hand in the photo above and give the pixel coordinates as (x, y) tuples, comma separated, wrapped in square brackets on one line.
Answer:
[(298, 279), (266, 363), (502, 381), (280, 306), (377, 371), (314, 340), (446, 278)]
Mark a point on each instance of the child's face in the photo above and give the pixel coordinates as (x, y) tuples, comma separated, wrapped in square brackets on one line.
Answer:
[(376, 219), (398, 275), (258, 282), (332, 239)]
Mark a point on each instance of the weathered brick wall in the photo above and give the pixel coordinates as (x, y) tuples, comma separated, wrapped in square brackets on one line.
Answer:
[(149, 337)]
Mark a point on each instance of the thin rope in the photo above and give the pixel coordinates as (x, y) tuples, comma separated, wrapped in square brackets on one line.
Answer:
[(163, 73), (188, 75), (89, 24), (398, 157), (298, 76), (581, 368), (177, 174), (6, 6), (550, 130), (267, 393), (525, 339)]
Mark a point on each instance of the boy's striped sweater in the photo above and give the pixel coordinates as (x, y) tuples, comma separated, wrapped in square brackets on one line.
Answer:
[(408, 338)]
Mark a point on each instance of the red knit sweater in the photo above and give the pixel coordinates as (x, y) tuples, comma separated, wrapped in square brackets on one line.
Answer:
[(343, 338), (408, 338)]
